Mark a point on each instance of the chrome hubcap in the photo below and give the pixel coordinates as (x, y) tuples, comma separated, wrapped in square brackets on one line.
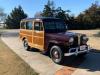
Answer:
[(56, 54)]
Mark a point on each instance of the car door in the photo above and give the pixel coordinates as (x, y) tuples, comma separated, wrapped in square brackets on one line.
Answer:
[(38, 35), (29, 33)]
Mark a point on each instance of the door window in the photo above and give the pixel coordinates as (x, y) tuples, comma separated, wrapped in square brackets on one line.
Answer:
[(29, 25), (38, 26), (23, 26)]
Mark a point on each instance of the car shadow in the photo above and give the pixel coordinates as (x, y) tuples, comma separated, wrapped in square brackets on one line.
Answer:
[(73, 61), (37, 50), (90, 61), (34, 50)]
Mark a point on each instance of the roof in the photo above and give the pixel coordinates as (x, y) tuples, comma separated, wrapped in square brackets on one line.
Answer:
[(41, 18)]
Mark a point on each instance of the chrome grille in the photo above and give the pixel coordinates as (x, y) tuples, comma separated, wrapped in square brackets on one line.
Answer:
[(75, 43), (76, 39)]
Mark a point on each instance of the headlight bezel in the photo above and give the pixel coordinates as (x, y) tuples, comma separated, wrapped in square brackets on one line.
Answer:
[(85, 38), (71, 40)]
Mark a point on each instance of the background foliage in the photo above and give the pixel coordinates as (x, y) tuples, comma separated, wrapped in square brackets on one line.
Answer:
[(13, 20), (88, 19)]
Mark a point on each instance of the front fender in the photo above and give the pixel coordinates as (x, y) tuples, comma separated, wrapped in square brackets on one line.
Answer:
[(57, 42)]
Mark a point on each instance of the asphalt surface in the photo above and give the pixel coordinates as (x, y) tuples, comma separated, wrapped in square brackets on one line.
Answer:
[(90, 65)]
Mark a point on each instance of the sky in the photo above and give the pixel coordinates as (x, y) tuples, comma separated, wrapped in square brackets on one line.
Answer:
[(32, 6)]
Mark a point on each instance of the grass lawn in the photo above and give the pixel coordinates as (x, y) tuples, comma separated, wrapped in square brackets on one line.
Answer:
[(11, 64)]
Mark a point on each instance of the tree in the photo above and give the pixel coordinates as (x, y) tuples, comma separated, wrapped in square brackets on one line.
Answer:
[(13, 20), (38, 14), (49, 9), (90, 18), (61, 14)]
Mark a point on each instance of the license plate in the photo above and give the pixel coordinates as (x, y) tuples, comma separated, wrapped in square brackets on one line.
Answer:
[(82, 47)]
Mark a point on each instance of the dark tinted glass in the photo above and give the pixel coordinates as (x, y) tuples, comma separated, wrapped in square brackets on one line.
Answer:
[(29, 25), (38, 26), (23, 25), (54, 26)]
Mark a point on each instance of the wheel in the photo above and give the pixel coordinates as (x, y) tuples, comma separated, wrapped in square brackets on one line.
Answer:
[(25, 44), (57, 54)]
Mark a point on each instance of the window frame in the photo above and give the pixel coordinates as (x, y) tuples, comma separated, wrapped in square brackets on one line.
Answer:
[(27, 22), (41, 28), (23, 25)]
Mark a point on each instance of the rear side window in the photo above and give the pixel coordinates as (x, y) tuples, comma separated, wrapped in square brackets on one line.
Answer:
[(23, 25), (38, 26), (29, 25)]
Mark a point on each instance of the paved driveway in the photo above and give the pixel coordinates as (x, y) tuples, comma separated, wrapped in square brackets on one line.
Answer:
[(42, 64), (90, 65)]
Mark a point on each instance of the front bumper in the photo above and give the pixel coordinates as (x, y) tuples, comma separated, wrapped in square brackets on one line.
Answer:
[(77, 51)]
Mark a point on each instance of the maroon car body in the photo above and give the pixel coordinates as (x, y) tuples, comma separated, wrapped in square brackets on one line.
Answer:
[(59, 42)]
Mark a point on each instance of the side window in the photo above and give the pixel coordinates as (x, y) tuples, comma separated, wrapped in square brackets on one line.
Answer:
[(23, 25), (38, 26), (29, 25)]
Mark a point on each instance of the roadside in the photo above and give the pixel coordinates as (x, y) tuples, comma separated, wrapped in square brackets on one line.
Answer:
[(40, 63), (44, 65), (11, 63)]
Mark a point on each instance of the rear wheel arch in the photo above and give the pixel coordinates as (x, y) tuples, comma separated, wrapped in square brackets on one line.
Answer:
[(24, 38)]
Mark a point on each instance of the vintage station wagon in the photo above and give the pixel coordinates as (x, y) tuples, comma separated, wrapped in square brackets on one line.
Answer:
[(50, 35)]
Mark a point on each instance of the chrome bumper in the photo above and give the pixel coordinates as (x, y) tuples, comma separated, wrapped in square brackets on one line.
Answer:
[(76, 52)]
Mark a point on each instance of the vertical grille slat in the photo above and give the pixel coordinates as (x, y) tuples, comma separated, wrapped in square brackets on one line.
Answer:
[(76, 41)]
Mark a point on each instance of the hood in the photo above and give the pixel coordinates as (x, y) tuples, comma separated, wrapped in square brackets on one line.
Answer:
[(61, 36)]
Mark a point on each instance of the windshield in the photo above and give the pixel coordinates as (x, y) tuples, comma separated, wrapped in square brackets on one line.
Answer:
[(54, 26)]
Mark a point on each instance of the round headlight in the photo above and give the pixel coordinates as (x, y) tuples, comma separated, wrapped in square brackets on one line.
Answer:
[(71, 40)]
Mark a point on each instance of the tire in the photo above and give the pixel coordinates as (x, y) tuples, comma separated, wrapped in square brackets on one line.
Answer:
[(57, 54), (25, 44)]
